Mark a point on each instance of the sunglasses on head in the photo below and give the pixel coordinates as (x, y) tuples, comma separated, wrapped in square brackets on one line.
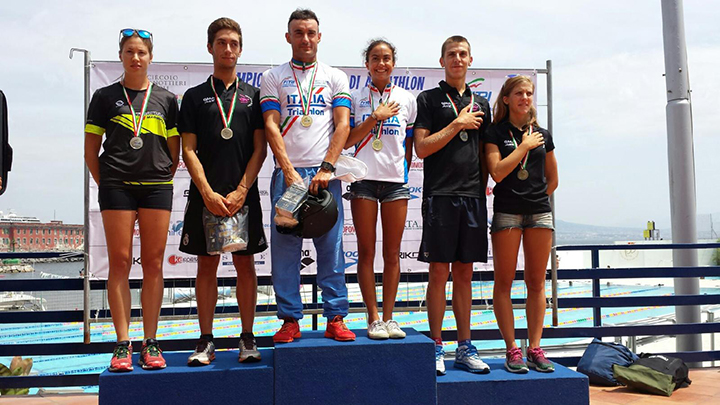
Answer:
[(128, 32)]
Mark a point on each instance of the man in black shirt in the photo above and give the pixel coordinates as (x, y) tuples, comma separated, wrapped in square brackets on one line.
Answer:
[(450, 124), (223, 147)]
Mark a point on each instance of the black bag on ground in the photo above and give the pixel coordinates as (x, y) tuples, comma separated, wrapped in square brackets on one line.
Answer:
[(598, 359), (654, 374)]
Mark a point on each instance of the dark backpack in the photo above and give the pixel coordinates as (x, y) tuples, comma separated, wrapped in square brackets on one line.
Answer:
[(598, 360), (655, 374)]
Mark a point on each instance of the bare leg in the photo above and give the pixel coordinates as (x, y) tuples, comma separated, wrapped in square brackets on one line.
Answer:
[(365, 219), (118, 225), (506, 244), (246, 290), (153, 238), (393, 225), (435, 298), (462, 297), (537, 243), (206, 292)]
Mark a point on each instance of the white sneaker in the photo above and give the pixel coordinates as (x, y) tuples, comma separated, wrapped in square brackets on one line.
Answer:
[(439, 360), (467, 358), (203, 355), (393, 330), (377, 330)]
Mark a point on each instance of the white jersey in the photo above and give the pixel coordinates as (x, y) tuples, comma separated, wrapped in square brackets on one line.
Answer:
[(306, 146), (387, 164)]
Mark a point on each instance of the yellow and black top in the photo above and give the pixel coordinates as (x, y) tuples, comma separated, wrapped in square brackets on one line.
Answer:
[(120, 164)]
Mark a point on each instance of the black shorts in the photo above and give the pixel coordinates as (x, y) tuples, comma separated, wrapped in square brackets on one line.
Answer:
[(454, 229), (193, 234), (131, 198)]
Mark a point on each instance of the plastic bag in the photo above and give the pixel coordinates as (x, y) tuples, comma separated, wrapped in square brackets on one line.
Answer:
[(225, 234)]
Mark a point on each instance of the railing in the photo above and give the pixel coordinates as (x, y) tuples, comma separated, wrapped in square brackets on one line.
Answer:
[(596, 302)]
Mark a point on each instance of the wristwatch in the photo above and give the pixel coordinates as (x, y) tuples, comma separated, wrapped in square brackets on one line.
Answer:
[(327, 166)]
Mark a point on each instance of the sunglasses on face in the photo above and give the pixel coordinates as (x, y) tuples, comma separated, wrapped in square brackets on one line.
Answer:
[(128, 32)]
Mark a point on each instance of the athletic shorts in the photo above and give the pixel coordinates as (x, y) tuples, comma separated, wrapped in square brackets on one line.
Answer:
[(193, 235), (382, 191), (454, 229), (502, 221), (131, 198)]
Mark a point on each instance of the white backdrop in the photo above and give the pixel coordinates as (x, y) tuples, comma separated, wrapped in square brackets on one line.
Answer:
[(178, 77)]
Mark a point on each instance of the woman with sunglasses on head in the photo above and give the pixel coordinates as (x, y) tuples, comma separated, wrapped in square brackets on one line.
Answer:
[(521, 160), (134, 176), (382, 117)]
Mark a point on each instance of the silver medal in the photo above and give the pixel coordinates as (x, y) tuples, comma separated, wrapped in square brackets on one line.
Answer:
[(136, 142), (226, 133), (463, 136)]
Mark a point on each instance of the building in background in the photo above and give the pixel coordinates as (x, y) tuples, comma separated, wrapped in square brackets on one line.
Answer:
[(28, 234)]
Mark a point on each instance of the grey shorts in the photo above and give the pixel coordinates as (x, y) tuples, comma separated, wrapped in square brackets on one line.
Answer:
[(502, 221), (382, 191)]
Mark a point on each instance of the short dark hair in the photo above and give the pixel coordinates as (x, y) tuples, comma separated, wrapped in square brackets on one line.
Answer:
[(379, 41), (303, 14), (452, 40), (221, 24)]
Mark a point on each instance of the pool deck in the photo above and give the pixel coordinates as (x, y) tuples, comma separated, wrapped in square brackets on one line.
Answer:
[(705, 389)]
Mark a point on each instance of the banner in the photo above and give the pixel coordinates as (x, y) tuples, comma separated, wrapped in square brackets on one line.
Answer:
[(178, 77)]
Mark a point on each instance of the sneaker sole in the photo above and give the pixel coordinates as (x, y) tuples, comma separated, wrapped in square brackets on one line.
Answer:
[(339, 339), (397, 336), (516, 371), (148, 367), (297, 336), (376, 337), (120, 370), (249, 359), (538, 369), (472, 370), (198, 363)]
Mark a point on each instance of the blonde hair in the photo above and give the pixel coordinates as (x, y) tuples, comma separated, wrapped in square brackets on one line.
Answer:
[(500, 109)]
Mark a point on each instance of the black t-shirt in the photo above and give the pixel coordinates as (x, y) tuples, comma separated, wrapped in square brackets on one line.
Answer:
[(454, 170), (223, 160), (512, 195), (121, 165)]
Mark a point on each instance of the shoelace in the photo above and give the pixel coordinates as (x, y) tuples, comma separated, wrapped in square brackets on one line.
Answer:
[(471, 351), (538, 353), (201, 346), (286, 326), (248, 340), (340, 320), (121, 351), (439, 351), (515, 354), (153, 349)]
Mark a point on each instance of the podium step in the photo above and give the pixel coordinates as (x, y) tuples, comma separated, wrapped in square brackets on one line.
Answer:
[(500, 386), (224, 381), (318, 370)]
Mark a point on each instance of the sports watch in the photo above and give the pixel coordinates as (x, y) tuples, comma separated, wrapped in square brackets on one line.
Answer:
[(327, 166)]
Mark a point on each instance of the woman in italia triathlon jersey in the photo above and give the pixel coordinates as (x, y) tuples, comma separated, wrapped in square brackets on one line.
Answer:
[(521, 159), (381, 118), (134, 176)]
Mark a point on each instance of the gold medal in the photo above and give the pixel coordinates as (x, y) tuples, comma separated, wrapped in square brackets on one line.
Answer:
[(523, 174), (306, 121), (377, 145), (136, 142)]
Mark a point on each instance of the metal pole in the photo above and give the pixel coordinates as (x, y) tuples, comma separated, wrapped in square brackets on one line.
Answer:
[(86, 248), (553, 251), (681, 164), (597, 314)]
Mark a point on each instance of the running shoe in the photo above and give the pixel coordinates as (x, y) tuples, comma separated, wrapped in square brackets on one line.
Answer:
[(377, 330), (537, 361), (248, 348), (121, 360), (514, 361), (204, 353), (288, 332), (336, 329), (394, 330), (467, 358), (151, 356), (439, 360)]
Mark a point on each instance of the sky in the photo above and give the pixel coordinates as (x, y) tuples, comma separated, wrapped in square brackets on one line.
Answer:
[(609, 92)]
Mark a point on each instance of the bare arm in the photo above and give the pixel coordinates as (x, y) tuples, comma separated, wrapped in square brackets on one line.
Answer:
[(92, 160), (383, 112), (174, 146), (426, 144), (498, 167), (213, 201), (341, 118), (237, 197), (551, 172), (277, 145), (409, 151)]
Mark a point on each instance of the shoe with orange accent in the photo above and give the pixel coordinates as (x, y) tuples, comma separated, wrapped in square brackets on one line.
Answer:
[(151, 356), (336, 329), (288, 332), (122, 358)]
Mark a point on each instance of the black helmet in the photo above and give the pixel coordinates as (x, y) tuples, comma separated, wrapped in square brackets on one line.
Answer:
[(317, 215)]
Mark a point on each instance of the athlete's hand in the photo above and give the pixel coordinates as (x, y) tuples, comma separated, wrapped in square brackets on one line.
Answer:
[(532, 141), (216, 204), (292, 177), (470, 120), (236, 199), (321, 180), (385, 111)]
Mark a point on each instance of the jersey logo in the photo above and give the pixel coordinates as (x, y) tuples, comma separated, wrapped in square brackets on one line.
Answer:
[(242, 98), (119, 103), (445, 104), (364, 103), (208, 100), (288, 83)]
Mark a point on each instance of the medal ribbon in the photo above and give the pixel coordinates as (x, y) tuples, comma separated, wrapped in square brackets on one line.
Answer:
[(305, 102), (454, 107), (525, 159), (225, 119), (379, 125), (137, 126)]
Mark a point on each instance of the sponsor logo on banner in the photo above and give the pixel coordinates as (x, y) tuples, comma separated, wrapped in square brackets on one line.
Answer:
[(186, 193), (348, 227), (167, 80), (177, 259), (182, 167), (473, 84), (264, 193), (417, 164), (136, 261), (409, 255), (175, 228), (261, 258), (415, 192), (351, 258), (306, 262), (412, 225)]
